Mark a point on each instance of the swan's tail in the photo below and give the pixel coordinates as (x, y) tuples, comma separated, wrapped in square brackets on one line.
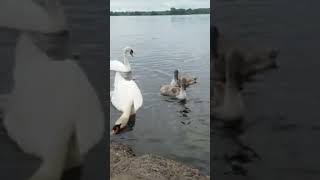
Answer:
[(123, 119)]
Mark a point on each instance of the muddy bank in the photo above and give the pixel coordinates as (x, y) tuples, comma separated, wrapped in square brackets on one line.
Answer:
[(125, 165)]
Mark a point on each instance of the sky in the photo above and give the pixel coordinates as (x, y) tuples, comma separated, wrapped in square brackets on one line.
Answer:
[(156, 5)]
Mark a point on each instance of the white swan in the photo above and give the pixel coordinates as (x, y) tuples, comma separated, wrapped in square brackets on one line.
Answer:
[(126, 96), (228, 102), (125, 66), (54, 112)]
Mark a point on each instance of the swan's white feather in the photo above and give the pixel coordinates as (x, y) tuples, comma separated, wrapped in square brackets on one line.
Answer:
[(51, 101), (124, 92), (53, 108), (119, 66)]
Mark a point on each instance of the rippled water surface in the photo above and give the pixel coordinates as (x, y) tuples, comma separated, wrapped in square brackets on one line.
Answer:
[(162, 44)]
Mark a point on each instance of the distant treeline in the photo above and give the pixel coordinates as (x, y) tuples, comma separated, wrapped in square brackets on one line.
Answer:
[(172, 11)]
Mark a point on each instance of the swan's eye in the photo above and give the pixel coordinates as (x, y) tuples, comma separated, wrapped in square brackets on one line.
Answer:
[(131, 51)]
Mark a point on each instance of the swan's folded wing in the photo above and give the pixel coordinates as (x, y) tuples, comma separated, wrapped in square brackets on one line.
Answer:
[(118, 66), (90, 118), (136, 95)]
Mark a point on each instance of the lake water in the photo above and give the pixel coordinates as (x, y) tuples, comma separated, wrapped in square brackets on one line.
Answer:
[(180, 131), (282, 125)]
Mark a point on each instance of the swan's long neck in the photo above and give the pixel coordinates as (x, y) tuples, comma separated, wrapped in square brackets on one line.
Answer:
[(233, 95), (27, 54), (51, 43), (126, 60), (37, 49)]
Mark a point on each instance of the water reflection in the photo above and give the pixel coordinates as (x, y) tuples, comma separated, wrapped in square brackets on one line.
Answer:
[(231, 67), (240, 154)]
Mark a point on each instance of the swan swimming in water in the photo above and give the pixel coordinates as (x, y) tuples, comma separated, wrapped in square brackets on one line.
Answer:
[(227, 101), (118, 66), (174, 91), (53, 111), (189, 80), (177, 90), (126, 96)]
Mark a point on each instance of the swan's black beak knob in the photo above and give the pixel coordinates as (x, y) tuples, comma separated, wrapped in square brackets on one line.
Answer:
[(131, 52)]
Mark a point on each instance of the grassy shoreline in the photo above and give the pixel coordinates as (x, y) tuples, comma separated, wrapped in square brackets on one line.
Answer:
[(123, 161)]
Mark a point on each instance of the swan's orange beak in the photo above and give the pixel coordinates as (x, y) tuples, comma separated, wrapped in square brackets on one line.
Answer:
[(116, 129)]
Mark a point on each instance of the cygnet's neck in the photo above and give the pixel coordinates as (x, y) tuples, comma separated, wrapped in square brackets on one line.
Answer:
[(233, 75), (176, 77), (174, 81), (233, 95)]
